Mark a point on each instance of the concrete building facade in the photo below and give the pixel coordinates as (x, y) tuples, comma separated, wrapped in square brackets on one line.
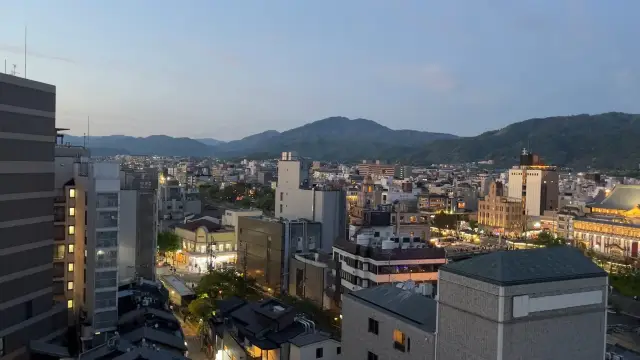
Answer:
[(27, 146), (522, 305), (297, 199)]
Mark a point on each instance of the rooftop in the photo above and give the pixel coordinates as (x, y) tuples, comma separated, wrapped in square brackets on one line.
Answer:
[(401, 303), (622, 197), (209, 225), (516, 267), (380, 254)]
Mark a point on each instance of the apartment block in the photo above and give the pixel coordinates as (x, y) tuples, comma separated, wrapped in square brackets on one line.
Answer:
[(70, 226), (102, 247), (387, 322), (27, 145)]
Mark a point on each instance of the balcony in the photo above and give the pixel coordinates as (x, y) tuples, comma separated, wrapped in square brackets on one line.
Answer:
[(106, 283), (58, 269)]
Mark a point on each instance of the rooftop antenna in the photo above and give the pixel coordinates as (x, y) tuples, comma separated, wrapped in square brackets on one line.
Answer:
[(25, 51), (88, 132), (5, 66), (14, 72)]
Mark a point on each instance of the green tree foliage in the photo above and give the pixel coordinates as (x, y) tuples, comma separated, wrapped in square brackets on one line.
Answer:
[(201, 308), (168, 242), (221, 284), (547, 239), (445, 221)]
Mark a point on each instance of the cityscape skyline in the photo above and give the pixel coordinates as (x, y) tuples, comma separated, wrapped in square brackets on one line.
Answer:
[(236, 69)]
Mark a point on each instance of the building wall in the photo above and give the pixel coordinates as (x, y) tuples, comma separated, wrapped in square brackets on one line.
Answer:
[(260, 251), (329, 351), (147, 234), (477, 320), (27, 141), (127, 237), (357, 341), (307, 280)]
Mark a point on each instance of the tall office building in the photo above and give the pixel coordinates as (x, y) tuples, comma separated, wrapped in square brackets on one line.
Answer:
[(535, 184), (27, 142), (297, 198)]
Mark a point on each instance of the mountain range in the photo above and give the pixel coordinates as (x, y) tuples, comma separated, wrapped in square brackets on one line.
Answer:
[(606, 140)]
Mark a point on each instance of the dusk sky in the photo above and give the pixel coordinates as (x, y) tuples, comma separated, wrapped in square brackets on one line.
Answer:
[(228, 69)]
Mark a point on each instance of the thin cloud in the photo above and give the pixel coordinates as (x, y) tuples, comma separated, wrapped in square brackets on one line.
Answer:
[(20, 51), (433, 77)]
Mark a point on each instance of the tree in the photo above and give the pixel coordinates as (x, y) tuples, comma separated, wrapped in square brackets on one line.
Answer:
[(547, 239), (221, 284), (444, 221), (168, 242), (201, 308)]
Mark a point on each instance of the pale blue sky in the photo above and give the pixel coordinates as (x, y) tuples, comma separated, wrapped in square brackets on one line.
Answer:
[(227, 69)]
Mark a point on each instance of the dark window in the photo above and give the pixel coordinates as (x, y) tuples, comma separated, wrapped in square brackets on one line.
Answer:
[(408, 344), (26, 97), (29, 309), (371, 356), (319, 353), (376, 234), (373, 326), (339, 350)]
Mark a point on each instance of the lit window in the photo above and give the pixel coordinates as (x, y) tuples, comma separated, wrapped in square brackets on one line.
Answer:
[(71, 248), (399, 340), (72, 211), (58, 252), (70, 267), (69, 285), (72, 193), (72, 230), (69, 304)]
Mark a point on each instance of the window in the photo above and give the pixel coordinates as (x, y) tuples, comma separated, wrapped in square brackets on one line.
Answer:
[(72, 230), (319, 353), (58, 252), (71, 248), (72, 211), (69, 285), (373, 326), (281, 197), (70, 267), (399, 340), (371, 356), (339, 350), (69, 304), (280, 207), (72, 193)]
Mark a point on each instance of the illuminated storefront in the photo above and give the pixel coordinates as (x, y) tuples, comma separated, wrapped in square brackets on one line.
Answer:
[(607, 237)]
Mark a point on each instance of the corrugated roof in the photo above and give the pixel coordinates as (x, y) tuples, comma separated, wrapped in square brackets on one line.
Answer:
[(622, 197), (515, 267), (405, 304)]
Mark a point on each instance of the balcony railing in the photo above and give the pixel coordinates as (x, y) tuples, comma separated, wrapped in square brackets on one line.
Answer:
[(106, 263), (106, 283)]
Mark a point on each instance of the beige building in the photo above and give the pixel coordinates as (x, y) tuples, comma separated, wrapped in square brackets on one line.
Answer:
[(499, 211), (205, 241)]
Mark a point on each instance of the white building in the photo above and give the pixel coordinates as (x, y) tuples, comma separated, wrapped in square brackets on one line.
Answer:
[(297, 199), (379, 256), (537, 185), (102, 246)]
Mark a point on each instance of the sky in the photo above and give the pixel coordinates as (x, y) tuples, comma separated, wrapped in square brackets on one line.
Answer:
[(226, 69)]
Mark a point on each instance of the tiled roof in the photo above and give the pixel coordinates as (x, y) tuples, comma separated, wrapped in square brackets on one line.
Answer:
[(402, 303), (515, 267), (193, 225), (622, 197)]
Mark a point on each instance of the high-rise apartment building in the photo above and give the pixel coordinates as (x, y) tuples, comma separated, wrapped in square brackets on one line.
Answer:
[(138, 224), (70, 226), (297, 198), (27, 145), (103, 204), (534, 184)]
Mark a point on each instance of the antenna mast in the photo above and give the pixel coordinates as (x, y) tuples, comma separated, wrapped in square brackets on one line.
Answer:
[(88, 133), (14, 72), (25, 51)]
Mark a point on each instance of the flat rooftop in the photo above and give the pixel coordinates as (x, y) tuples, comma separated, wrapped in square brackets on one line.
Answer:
[(530, 266)]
